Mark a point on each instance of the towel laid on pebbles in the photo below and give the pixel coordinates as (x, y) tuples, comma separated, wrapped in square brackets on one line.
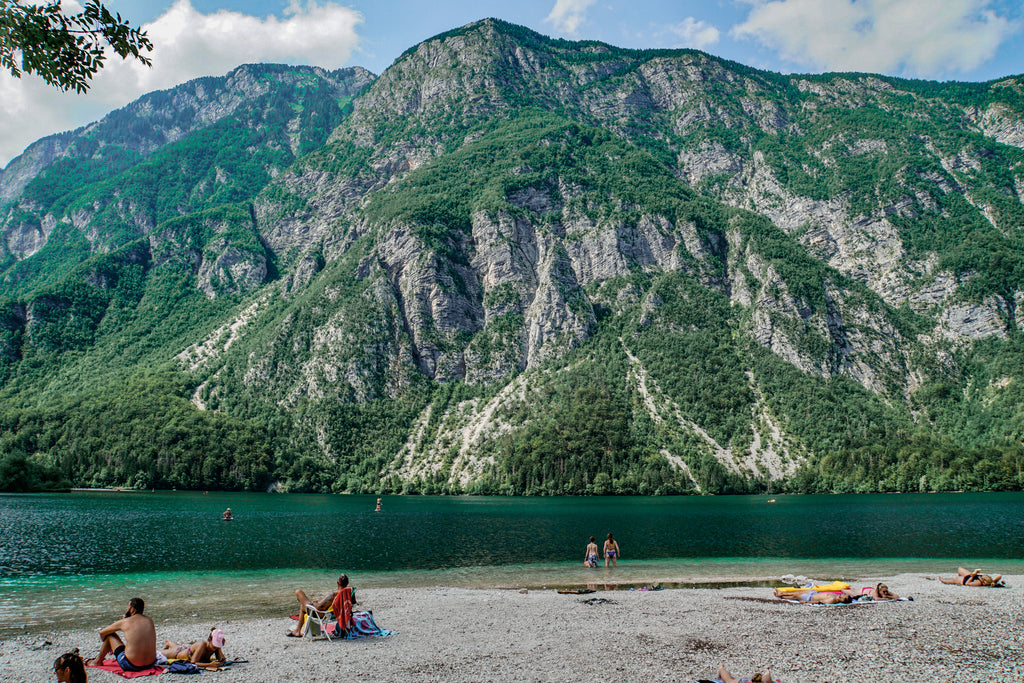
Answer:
[(363, 626), (110, 664)]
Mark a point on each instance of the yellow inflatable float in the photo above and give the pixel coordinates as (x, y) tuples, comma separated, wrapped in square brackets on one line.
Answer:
[(834, 587)]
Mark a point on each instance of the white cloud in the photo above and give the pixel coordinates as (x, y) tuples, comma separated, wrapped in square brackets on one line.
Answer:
[(921, 38), (567, 15), (187, 44), (694, 33)]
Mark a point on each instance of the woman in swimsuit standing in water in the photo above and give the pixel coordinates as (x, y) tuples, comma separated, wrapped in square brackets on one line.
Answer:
[(611, 551)]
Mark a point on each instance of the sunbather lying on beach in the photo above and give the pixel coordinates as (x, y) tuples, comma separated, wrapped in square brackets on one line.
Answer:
[(882, 592), (879, 592), (814, 597), (726, 677), (975, 578), (205, 653)]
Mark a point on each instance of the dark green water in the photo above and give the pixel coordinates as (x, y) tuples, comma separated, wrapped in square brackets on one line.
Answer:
[(92, 549)]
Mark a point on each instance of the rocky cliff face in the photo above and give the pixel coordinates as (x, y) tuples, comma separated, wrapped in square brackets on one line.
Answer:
[(119, 160), (162, 118), (504, 212)]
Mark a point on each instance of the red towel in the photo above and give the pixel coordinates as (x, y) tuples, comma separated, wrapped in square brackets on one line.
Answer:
[(342, 607), (110, 664)]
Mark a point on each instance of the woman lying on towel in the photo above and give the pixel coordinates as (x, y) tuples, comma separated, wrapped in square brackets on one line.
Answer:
[(205, 653), (975, 578), (877, 592), (880, 592), (814, 597)]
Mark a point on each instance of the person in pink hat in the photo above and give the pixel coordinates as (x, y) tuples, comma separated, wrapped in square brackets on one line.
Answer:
[(206, 653)]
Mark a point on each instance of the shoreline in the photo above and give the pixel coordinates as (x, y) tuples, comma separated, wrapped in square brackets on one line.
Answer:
[(41, 604), (948, 633)]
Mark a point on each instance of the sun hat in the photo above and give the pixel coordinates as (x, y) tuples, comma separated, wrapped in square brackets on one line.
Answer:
[(217, 637)]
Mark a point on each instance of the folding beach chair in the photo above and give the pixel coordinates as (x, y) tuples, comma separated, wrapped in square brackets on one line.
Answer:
[(326, 622), (319, 622)]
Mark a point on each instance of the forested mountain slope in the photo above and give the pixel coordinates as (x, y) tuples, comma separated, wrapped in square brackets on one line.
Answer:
[(511, 264)]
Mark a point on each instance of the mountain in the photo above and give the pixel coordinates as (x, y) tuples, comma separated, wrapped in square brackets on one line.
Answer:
[(517, 265)]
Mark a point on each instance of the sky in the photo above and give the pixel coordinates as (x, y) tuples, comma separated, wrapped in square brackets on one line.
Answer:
[(964, 40)]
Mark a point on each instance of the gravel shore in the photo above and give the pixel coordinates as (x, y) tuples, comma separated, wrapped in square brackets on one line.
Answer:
[(947, 633)]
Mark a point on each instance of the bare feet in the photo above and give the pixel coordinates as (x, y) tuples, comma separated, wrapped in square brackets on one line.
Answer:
[(93, 662)]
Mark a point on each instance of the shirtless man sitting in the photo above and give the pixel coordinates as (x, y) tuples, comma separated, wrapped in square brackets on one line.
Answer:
[(321, 603), (138, 650)]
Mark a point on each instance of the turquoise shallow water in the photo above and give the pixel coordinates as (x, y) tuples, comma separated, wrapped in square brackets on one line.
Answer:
[(74, 559)]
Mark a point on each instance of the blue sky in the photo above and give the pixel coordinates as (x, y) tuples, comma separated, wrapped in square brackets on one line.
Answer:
[(973, 40)]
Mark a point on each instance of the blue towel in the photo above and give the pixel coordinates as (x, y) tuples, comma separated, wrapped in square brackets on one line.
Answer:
[(363, 626)]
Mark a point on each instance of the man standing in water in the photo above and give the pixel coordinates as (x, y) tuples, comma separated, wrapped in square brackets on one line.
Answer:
[(590, 554), (138, 650)]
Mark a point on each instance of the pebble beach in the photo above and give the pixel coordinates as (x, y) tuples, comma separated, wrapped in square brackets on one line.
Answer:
[(947, 633)]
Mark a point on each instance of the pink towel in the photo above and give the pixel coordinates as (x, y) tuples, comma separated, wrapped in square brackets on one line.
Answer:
[(110, 664)]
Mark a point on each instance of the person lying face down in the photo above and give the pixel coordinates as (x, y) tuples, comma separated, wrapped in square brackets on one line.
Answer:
[(975, 578)]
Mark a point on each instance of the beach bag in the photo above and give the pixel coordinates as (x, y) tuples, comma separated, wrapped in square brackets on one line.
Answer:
[(183, 667)]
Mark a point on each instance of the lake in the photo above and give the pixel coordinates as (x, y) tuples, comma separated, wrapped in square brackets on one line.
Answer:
[(74, 559)]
